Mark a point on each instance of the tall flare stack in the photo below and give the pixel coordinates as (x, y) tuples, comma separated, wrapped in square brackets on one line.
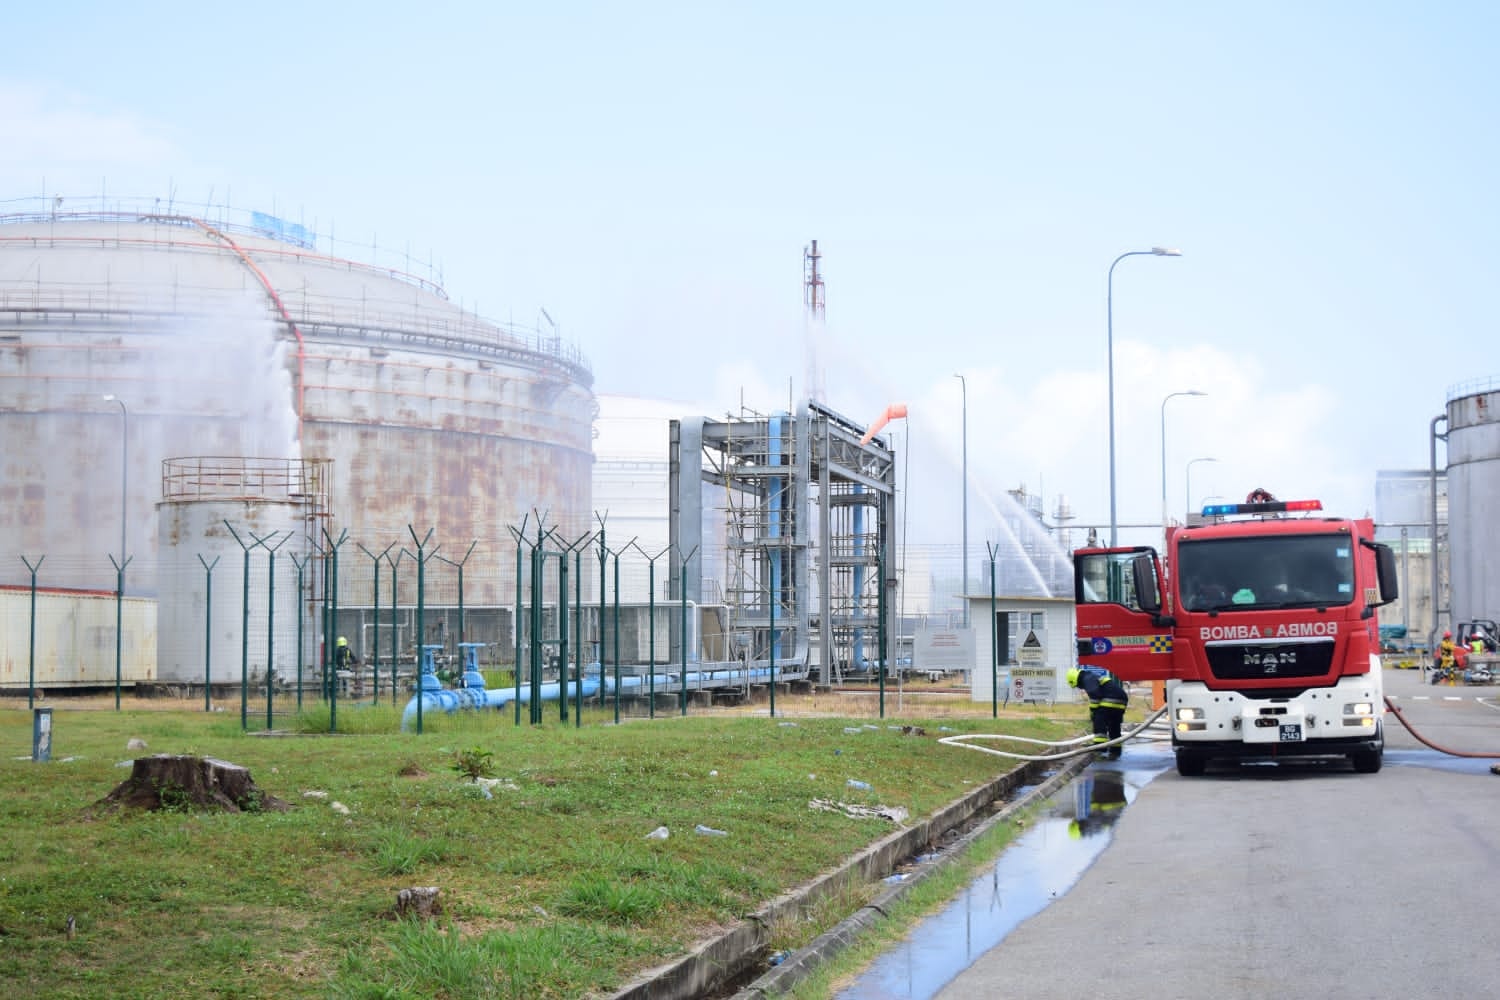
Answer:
[(813, 299)]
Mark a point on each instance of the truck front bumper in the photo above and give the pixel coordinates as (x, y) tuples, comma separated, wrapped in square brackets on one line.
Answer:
[(1333, 720)]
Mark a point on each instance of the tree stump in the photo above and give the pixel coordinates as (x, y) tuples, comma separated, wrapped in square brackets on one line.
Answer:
[(185, 783), (419, 901)]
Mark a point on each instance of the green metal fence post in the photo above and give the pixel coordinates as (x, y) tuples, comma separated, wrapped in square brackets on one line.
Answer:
[(120, 619), (880, 610), (31, 669), (771, 648), (375, 643), (617, 637), (244, 628), (538, 560), (562, 636), (578, 632), (682, 594), (651, 621), (395, 627), (300, 564), (994, 640), (520, 536), (208, 629), (330, 667), (271, 619), (421, 558), (603, 572)]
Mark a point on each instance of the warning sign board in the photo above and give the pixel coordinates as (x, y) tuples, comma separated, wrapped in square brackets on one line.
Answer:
[(944, 648), (1031, 679)]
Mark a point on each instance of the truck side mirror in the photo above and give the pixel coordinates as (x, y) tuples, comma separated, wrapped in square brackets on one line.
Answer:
[(1147, 594), (1385, 574)]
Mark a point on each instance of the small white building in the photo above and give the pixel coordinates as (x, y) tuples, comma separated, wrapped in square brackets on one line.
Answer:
[(1051, 618)]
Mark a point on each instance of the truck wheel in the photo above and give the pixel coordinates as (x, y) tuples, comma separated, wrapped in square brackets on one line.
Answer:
[(1366, 761), (1190, 763)]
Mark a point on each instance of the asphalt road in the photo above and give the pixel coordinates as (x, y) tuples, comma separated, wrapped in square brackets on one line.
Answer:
[(1287, 880)]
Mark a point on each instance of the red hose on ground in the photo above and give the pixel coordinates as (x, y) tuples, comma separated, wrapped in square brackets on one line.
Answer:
[(1452, 753)]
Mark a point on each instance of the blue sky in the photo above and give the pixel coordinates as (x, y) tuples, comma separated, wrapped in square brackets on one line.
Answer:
[(650, 173)]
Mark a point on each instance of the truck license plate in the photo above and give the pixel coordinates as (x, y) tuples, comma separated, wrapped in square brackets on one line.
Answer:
[(1291, 732)]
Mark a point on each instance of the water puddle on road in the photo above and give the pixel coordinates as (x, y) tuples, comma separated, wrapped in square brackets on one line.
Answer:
[(1437, 761), (1066, 835)]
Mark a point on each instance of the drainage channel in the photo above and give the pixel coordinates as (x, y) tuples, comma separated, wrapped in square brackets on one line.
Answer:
[(718, 967), (1071, 829)]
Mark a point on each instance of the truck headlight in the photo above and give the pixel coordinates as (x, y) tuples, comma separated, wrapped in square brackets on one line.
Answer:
[(1189, 714), (1359, 708)]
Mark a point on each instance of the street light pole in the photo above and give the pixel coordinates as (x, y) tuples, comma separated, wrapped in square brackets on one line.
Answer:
[(124, 438), (1185, 392), (1110, 320), (963, 576), (1188, 484), (124, 559)]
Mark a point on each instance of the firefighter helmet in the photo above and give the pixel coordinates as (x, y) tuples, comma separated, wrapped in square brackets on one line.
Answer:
[(1072, 677), (342, 641)]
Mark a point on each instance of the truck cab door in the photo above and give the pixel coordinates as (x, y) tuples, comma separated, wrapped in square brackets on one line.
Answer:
[(1119, 602)]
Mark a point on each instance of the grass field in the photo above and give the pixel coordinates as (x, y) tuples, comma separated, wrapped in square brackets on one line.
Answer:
[(549, 884)]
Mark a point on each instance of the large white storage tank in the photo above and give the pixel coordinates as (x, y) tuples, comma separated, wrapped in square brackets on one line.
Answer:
[(1474, 498), (217, 626), (132, 332)]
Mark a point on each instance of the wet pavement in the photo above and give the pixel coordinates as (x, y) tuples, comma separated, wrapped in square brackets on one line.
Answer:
[(1075, 825), (1069, 832)]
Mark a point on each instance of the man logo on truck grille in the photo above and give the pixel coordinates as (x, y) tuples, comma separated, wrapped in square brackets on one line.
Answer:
[(1270, 660)]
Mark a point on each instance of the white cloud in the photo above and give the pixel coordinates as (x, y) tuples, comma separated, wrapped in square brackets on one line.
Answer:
[(1048, 431)]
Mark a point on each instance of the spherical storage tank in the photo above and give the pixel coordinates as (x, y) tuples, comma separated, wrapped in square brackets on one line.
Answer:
[(1474, 499), (238, 335)]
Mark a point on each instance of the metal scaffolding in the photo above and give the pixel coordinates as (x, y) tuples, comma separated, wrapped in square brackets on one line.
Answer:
[(809, 575)]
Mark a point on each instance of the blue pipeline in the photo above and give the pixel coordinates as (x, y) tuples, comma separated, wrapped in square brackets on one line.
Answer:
[(436, 698)]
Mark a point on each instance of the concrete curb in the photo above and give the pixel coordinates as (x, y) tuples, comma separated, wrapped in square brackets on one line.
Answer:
[(731, 953)]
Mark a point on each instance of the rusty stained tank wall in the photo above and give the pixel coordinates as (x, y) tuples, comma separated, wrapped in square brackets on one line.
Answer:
[(1474, 499), (60, 468), (464, 447)]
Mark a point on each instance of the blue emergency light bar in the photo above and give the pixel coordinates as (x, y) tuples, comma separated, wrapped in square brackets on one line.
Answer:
[(1268, 507)]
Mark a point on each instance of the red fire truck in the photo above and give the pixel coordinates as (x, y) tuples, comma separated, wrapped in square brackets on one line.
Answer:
[(1260, 619)]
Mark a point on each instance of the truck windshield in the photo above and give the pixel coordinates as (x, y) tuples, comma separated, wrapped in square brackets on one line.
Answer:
[(1266, 572)]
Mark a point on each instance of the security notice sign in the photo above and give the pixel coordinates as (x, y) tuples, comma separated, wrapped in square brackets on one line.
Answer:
[(1031, 679)]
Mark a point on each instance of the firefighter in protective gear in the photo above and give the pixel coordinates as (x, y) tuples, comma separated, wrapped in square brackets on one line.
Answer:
[(1445, 659), (1107, 701), (343, 656)]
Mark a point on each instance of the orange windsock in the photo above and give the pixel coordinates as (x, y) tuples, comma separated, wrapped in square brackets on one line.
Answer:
[(896, 411)]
